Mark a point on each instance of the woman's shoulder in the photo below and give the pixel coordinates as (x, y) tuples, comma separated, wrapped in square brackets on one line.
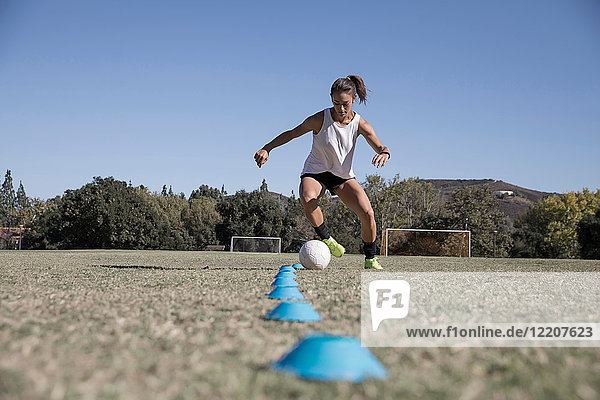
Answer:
[(320, 114), (316, 120)]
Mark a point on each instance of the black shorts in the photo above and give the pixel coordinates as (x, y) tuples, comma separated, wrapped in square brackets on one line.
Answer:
[(327, 179)]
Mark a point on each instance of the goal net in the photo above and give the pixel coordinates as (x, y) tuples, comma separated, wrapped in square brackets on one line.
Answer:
[(255, 244), (426, 242)]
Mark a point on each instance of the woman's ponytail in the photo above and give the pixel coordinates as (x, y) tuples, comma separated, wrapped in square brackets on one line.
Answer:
[(361, 89), (352, 83)]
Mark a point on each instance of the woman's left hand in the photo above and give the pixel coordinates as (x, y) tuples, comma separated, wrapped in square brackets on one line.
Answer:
[(380, 159)]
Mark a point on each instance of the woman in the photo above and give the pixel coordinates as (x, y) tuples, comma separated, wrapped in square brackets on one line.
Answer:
[(329, 164)]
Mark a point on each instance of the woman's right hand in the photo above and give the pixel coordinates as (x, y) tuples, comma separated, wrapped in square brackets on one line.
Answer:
[(261, 157)]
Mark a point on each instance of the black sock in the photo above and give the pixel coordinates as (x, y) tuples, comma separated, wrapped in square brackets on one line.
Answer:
[(322, 231), (370, 250)]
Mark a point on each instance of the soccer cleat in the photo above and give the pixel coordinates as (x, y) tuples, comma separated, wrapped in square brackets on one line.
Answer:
[(372, 263), (335, 248)]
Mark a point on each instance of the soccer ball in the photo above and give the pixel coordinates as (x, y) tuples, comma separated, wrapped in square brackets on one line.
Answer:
[(314, 254)]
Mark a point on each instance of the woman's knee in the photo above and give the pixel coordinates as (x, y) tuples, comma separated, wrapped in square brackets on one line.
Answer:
[(368, 213), (310, 191), (309, 198)]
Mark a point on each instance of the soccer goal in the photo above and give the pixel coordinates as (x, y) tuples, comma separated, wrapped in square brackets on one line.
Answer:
[(255, 244), (426, 242)]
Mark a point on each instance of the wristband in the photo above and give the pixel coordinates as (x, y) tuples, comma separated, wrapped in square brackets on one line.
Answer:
[(386, 152)]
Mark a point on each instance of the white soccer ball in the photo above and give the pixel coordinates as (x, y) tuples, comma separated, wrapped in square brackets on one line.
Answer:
[(314, 254)]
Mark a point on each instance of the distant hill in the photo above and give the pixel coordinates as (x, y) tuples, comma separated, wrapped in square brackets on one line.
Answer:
[(510, 205)]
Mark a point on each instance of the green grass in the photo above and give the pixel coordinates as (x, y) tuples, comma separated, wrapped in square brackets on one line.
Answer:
[(188, 325)]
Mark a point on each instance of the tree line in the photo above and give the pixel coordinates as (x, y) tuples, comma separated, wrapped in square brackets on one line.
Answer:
[(112, 214)]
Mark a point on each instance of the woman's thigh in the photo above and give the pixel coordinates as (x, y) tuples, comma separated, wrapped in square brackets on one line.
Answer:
[(310, 189), (354, 196)]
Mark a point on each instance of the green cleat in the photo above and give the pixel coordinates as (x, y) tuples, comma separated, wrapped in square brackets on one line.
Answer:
[(372, 263), (334, 247)]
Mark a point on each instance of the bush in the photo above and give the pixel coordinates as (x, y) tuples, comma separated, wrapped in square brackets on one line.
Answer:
[(588, 235)]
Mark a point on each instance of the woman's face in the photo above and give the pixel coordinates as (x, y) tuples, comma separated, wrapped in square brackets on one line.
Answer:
[(342, 103)]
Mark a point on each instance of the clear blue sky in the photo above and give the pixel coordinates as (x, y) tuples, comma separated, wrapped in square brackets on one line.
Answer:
[(183, 93)]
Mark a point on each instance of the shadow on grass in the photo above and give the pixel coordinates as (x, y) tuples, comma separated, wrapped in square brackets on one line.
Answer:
[(240, 268), (12, 383), (145, 267), (260, 367), (155, 267)]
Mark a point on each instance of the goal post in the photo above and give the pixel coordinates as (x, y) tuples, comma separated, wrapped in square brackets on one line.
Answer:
[(426, 242), (255, 244)]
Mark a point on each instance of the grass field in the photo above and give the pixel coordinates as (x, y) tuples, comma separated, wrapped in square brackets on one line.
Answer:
[(188, 325)]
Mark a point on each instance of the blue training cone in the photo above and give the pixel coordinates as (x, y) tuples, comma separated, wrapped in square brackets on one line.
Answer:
[(287, 268), (286, 293), (284, 282), (294, 311), (321, 356), (298, 266), (285, 274)]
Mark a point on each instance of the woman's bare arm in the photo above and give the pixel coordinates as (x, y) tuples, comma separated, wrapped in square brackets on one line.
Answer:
[(312, 123), (365, 129)]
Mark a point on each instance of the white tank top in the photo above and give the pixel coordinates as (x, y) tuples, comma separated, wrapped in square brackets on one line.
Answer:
[(333, 148)]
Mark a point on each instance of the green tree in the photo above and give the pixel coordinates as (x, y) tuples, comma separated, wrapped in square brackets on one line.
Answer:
[(22, 208), (588, 235), (172, 233), (111, 214), (44, 225), (528, 242), (475, 209), (107, 214), (257, 213), (549, 228), (206, 191), (22, 201), (402, 203), (417, 200), (8, 201), (200, 219)]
